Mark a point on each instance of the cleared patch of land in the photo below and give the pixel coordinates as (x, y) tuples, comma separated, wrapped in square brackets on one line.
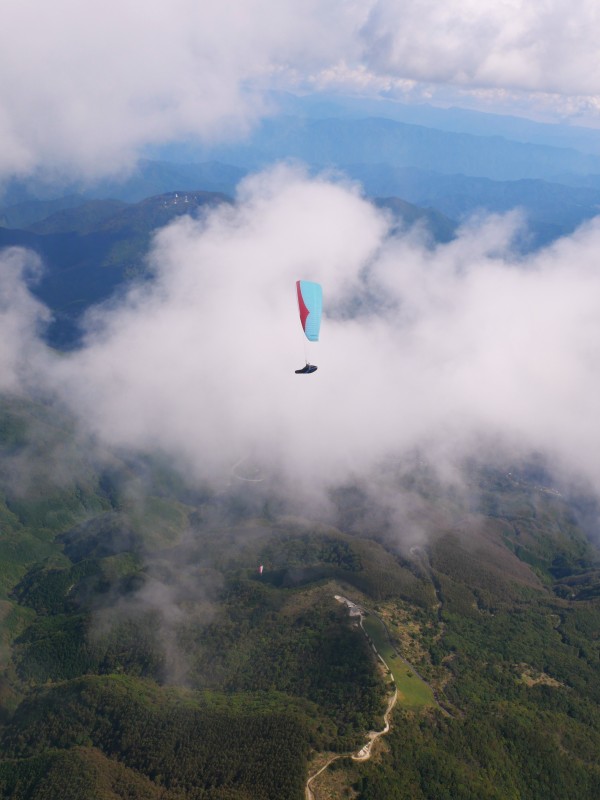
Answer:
[(413, 692)]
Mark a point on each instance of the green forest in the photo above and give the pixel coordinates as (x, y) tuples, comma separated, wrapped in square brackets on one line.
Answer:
[(143, 655)]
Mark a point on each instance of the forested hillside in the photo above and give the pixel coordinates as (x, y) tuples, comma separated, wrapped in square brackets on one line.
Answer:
[(145, 656)]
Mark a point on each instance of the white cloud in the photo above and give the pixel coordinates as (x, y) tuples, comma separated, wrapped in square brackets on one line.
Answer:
[(202, 363), (516, 44), (21, 319), (468, 344), (84, 87)]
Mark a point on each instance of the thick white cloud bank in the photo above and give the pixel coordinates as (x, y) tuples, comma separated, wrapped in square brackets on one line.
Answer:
[(467, 344), (85, 86), (516, 44)]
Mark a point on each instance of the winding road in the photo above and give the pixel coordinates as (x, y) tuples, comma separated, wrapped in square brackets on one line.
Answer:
[(365, 751)]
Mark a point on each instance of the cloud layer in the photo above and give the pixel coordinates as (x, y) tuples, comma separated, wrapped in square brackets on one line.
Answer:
[(519, 44), (83, 89), (445, 350)]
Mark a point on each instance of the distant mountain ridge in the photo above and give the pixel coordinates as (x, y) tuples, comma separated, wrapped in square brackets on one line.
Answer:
[(419, 154), (23, 202), (374, 140), (445, 118), (82, 218), (94, 238), (552, 208), (440, 227), (92, 248), (24, 213)]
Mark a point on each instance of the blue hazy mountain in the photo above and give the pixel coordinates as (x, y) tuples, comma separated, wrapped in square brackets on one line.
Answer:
[(440, 174), (24, 201), (453, 160), (333, 141), (452, 119), (93, 249), (552, 208)]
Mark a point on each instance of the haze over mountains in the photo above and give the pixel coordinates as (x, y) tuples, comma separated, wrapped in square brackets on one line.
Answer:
[(450, 171), (94, 244), (91, 242)]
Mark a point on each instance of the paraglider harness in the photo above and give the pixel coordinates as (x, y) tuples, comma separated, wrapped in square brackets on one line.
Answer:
[(307, 369)]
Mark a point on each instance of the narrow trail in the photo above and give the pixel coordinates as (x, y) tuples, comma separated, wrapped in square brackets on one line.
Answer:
[(365, 751), (309, 794)]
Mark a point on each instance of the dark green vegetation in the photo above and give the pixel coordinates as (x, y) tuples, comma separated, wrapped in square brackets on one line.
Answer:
[(91, 248), (116, 588), (143, 656), (516, 654), (203, 745)]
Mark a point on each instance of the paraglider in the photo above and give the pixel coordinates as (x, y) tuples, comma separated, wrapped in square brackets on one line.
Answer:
[(310, 303)]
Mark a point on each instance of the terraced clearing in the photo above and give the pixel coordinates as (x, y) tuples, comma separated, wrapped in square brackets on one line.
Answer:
[(413, 692)]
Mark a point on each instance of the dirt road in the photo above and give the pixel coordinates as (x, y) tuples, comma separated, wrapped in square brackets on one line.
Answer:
[(365, 752)]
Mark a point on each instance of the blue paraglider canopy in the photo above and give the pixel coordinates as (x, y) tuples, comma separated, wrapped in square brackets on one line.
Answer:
[(310, 303)]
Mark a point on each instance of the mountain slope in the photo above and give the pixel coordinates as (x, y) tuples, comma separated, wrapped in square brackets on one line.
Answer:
[(551, 209), (142, 649)]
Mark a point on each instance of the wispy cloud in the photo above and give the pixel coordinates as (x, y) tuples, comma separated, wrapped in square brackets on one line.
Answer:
[(22, 318)]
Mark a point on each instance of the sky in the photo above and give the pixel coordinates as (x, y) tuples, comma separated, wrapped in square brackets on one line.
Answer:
[(450, 349), (85, 87)]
